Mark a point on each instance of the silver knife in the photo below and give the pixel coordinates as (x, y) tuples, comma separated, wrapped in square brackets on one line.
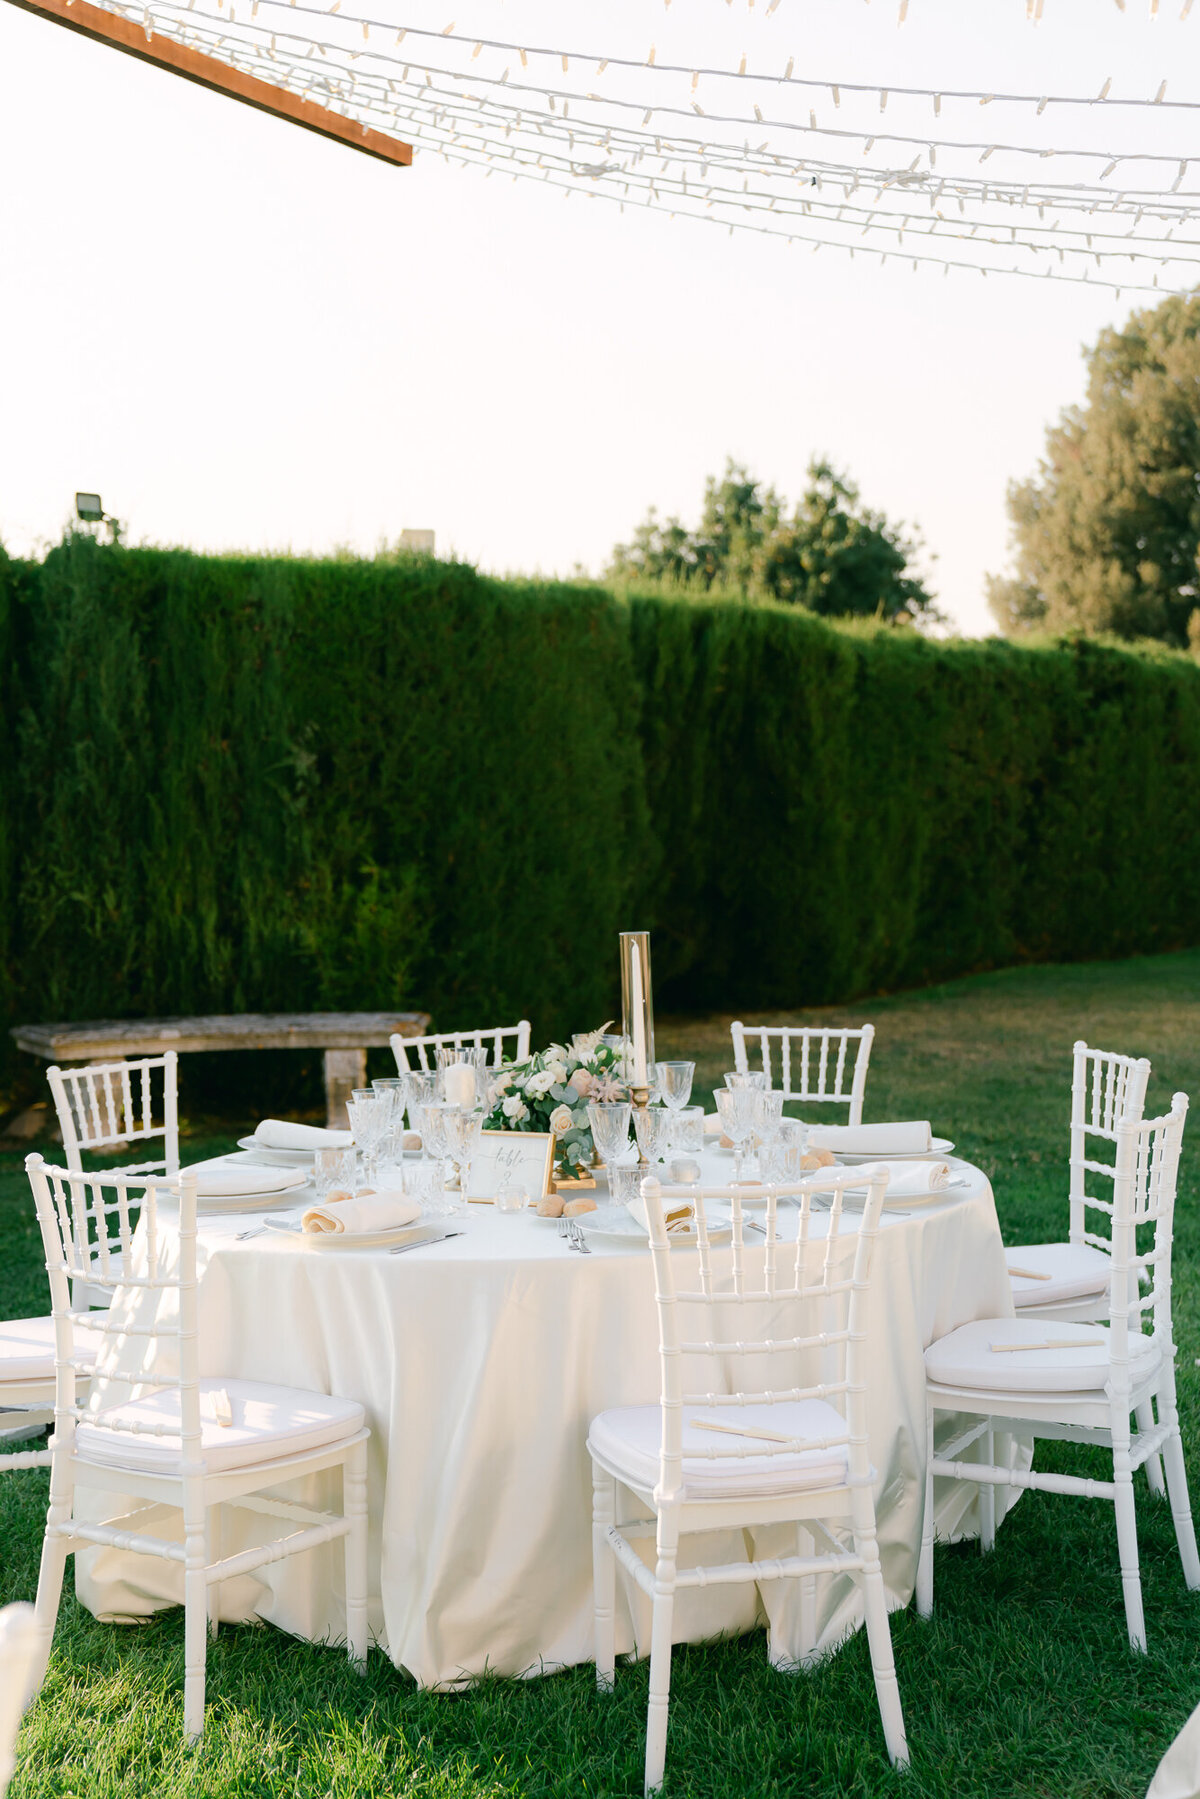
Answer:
[(424, 1242)]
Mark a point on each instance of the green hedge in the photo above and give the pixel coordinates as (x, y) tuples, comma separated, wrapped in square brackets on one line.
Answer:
[(237, 782)]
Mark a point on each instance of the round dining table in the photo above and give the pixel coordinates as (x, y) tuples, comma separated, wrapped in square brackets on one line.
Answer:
[(481, 1360)]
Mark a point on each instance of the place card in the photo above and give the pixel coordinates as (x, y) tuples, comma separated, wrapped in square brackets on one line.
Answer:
[(526, 1157)]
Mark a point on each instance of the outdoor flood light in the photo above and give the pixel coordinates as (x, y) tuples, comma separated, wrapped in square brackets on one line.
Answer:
[(88, 507)]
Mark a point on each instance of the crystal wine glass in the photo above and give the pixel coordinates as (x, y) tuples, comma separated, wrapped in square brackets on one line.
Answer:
[(737, 1078), (609, 1120), (427, 1115), (463, 1127), (652, 1125), (368, 1112), (736, 1108)]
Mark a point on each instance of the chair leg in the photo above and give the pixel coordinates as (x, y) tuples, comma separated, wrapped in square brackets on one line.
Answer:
[(1131, 1580), (879, 1638), (987, 1499), (216, 1537), (805, 1546), (49, 1592), (354, 1507), (604, 1576), (925, 1563), (195, 1625), (1153, 1463), (660, 1660), (1177, 1488)]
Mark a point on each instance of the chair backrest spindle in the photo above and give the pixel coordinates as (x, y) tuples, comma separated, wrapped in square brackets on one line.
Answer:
[(824, 1055), (97, 1107), (493, 1037)]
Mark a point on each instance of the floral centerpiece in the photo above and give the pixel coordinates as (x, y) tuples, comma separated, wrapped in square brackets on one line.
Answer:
[(551, 1091)]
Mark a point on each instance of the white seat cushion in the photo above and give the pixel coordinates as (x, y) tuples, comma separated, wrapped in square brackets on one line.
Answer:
[(628, 1440), (27, 1348), (965, 1358), (268, 1422), (1075, 1270)]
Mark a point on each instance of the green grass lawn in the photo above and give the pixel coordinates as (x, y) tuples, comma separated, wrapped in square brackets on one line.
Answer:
[(1022, 1684)]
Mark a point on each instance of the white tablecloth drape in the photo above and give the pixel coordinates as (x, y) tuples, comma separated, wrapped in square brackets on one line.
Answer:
[(480, 1362)]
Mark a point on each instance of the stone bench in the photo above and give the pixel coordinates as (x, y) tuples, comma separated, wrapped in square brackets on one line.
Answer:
[(345, 1038)]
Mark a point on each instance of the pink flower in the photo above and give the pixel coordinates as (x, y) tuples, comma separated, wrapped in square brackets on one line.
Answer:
[(581, 1080)]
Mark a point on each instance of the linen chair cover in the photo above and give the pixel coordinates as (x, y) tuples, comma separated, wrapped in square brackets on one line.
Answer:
[(18, 1680), (494, 1038), (154, 1430), (1106, 1088), (1077, 1382), (815, 1065), (788, 1448)]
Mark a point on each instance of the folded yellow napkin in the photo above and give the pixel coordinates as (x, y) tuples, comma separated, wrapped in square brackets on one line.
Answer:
[(373, 1212)]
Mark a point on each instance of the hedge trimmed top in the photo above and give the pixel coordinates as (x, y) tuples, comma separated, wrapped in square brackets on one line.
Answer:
[(266, 782)]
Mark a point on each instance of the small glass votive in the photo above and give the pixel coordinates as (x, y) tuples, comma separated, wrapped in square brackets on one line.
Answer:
[(687, 1130), (684, 1169), (511, 1196), (334, 1169)]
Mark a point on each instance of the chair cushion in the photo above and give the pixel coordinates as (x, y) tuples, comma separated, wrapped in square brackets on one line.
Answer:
[(27, 1348), (1075, 1270), (965, 1358), (629, 1437), (268, 1422)]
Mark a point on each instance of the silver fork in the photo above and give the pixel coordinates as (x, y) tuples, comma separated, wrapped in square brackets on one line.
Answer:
[(257, 1231), (578, 1240)]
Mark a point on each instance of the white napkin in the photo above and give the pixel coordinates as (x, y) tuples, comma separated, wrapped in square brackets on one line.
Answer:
[(351, 1217), (908, 1179), (280, 1133), (873, 1139), (229, 1183)]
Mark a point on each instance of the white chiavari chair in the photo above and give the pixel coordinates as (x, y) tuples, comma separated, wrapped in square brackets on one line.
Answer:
[(103, 1105), (790, 1449), (1070, 1280), (1078, 1382), (815, 1065), (155, 1430), (18, 1680), (493, 1039)]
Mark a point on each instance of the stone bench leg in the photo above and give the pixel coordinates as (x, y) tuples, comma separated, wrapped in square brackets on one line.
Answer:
[(345, 1069)]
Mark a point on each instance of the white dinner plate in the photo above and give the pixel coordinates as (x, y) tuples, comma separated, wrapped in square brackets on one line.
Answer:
[(852, 1158), (277, 1158), (404, 1233), (613, 1230)]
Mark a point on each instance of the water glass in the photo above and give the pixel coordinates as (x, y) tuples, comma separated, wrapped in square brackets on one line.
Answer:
[(674, 1082), (335, 1170), (687, 1129), (653, 1125), (463, 1127), (419, 1086), (625, 1183), (736, 1078), (425, 1182), (768, 1115), (511, 1196)]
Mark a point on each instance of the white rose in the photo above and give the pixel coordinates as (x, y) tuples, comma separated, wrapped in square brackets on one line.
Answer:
[(516, 1109), (503, 1082), (539, 1084), (561, 1120)]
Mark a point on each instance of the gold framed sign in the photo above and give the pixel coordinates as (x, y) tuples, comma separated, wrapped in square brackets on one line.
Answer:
[(525, 1157)]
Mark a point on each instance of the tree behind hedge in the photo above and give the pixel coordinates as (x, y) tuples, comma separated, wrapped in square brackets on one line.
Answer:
[(832, 555), (1106, 534)]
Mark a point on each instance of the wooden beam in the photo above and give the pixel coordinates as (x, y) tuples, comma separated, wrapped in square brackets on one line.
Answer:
[(209, 71)]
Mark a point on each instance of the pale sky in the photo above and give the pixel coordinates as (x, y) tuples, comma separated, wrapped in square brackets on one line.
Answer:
[(246, 337)]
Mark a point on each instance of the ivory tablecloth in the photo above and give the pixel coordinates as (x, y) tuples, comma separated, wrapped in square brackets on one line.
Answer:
[(480, 1362)]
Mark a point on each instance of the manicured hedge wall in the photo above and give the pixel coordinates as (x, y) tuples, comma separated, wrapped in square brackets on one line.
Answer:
[(267, 782)]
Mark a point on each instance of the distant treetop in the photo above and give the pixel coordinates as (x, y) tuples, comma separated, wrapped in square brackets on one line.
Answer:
[(832, 555)]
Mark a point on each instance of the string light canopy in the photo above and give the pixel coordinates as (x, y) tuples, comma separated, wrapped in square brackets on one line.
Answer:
[(1100, 187)]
